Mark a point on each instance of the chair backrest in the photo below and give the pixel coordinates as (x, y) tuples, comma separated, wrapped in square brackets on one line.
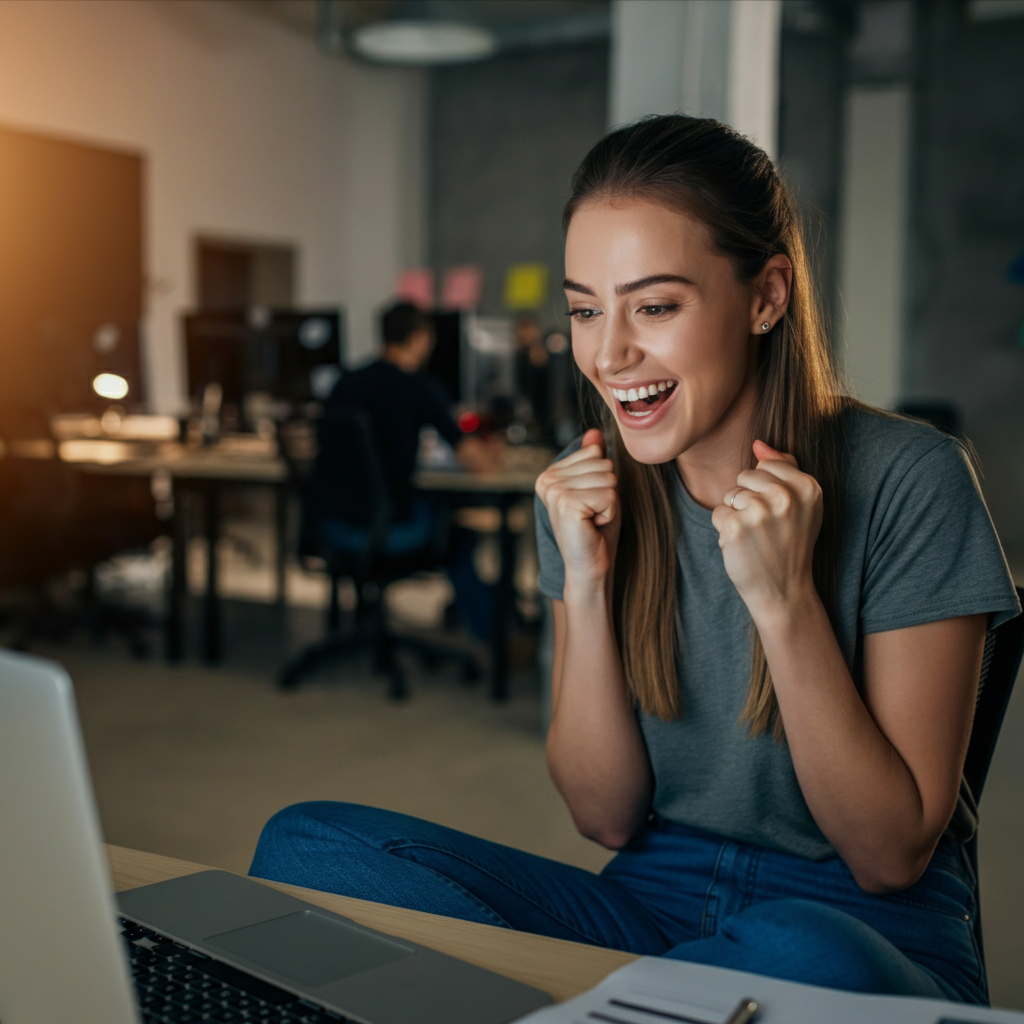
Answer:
[(348, 483), (1000, 663)]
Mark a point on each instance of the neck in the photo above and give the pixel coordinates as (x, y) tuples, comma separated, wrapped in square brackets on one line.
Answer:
[(709, 469), (401, 356)]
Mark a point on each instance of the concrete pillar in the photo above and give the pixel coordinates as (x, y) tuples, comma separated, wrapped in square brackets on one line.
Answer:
[(873, 238), (712, 58), (873, 202)]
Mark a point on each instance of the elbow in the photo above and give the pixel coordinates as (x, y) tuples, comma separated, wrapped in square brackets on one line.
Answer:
[(608, 837), (898, 873)]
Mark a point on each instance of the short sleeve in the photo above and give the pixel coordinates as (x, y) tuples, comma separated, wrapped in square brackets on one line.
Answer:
[(551, 579), (932, 550)]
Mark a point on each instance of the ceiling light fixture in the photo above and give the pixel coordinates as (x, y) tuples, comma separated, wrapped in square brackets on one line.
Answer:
[(423, 42)]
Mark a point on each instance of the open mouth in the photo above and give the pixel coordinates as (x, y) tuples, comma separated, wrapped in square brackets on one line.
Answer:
[(644, 401)]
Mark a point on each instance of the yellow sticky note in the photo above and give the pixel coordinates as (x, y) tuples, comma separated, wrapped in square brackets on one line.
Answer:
[(526, 286)]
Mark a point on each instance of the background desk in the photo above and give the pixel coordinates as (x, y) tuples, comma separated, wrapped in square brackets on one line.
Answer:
[(207, 470), (563, 969), (194, 470), (502, 489)]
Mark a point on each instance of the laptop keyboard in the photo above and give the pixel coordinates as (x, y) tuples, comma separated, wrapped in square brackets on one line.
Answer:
[(177, 985)]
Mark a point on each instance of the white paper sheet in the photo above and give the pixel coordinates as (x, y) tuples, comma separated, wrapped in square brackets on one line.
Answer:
[(653, 990)]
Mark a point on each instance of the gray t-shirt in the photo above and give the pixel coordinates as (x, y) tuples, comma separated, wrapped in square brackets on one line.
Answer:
[(917, 545)]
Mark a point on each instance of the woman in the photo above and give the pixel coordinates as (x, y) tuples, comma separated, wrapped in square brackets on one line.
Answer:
[(769, 604)]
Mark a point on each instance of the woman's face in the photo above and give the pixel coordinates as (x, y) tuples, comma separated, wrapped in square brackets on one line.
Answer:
[(663, 330)]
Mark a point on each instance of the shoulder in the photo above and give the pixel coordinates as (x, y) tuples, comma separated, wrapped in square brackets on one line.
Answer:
[(889, 438), (354, 383), (880, 451)]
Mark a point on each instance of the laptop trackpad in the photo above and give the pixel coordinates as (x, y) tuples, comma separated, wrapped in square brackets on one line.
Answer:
[(309, 948)]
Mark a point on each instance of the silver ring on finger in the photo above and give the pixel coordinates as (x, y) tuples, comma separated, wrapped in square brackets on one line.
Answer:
[(730, 498)]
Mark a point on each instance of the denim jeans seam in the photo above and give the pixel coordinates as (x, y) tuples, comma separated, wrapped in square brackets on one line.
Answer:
[(923, 904), (750, 882), (460, 856), (479, 903), (709, 917)]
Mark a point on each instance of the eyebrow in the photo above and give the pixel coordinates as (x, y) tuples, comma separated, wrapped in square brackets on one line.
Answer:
[(629, 286)]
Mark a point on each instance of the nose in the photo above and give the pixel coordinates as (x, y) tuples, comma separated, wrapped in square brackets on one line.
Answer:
[(617, 349)]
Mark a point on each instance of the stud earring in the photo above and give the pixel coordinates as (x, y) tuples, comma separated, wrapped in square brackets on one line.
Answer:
[(765, 326)]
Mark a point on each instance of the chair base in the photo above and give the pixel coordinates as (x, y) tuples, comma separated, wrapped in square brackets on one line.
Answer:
[(384, 643)]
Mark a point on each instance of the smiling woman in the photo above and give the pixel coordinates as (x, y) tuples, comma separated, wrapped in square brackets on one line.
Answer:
[(769, 607)]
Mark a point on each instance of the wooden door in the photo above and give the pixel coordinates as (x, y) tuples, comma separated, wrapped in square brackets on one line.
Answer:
[(71, 275)]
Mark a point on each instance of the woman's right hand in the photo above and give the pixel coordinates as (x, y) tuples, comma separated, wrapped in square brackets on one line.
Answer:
[(580, 493)]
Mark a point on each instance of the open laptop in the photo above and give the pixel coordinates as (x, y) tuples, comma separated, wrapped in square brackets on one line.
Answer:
[(206, 947)]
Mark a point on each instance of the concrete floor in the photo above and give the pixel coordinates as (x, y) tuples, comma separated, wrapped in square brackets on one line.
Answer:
[(190, 761)]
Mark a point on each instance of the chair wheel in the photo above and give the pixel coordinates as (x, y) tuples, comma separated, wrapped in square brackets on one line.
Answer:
[(398, 688)]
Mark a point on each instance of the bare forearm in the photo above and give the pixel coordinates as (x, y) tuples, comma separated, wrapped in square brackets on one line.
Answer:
[(859, 789), (596, 753)]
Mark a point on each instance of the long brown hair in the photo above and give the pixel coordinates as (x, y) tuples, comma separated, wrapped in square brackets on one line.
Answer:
[(714, 174)]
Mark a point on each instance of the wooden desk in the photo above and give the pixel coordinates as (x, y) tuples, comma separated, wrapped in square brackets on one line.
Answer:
[(563, 969), (206, 470), (502, 489), (202, 471)]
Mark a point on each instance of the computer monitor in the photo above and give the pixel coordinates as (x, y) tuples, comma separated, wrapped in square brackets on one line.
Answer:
[(309, 353), (290, 354)]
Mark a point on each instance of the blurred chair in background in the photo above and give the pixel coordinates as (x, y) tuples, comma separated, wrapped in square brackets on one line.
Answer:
[(1000, 664), (349, 527)]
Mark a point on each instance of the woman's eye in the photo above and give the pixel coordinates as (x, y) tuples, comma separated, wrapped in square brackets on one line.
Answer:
[(583, 314), (659, 309)]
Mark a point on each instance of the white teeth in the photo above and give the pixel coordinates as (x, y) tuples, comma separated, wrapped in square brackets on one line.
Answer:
[(648, 391)]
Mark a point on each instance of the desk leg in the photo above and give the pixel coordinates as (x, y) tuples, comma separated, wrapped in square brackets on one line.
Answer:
[(281, 529), (178, 591), (504, 605), (211, 610)]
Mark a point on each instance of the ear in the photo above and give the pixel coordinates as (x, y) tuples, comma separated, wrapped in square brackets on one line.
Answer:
[(771, 294)]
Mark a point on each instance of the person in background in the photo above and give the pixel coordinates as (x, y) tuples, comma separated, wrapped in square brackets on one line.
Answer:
[(532, 368), (401, 399)]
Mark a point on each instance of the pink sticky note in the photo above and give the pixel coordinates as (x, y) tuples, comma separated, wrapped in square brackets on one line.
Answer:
[(416, 286), (462, 287)]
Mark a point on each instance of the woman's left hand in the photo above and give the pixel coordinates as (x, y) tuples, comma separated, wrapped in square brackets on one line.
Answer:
[(767, 526)]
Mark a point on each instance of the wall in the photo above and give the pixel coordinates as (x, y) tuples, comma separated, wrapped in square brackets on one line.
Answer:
[(497, 191), (248, 131), (811, 86), (967, 227), (873, 241)]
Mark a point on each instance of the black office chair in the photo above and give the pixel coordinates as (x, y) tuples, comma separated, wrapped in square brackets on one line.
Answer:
[(349, 526), (1000, 663)]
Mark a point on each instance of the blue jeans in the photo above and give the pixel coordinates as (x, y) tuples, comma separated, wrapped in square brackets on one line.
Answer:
[(673, 891)]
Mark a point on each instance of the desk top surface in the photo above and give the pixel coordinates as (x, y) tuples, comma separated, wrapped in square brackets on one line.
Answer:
[(563, 969), (258, 462)]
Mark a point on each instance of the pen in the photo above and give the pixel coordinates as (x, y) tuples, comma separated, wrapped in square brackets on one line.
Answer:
[(744, 1012)]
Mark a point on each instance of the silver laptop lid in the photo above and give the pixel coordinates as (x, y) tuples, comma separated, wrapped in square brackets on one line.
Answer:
[(60, 954)]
